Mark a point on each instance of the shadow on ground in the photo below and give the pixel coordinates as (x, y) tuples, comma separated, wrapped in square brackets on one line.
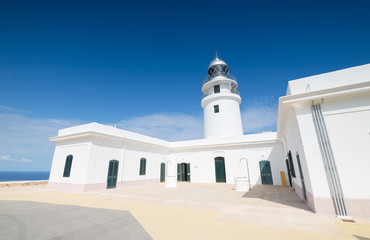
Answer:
[(32, 220), (277, 194), (361, 238)]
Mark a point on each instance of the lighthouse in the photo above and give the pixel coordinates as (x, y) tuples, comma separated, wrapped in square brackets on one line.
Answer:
[(220, 102)]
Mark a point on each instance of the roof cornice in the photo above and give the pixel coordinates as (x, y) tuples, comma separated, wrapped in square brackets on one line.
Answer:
[(286, 102)]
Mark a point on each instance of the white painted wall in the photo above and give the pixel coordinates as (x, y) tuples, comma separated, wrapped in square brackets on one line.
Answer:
[(102, 152), (203, 167), (300, 137), (80, 150), (345, 77), (348, 125), (227, 122), (93, 153)]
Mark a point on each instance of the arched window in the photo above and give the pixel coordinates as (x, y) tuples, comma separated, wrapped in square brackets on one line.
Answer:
[(142, 166), (67, 166)]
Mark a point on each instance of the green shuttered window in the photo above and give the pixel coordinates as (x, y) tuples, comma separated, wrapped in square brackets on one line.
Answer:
[(67, 166), (142, 166), (291, 164)]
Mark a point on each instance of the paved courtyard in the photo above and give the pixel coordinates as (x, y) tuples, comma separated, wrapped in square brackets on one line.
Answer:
[(206, 211)]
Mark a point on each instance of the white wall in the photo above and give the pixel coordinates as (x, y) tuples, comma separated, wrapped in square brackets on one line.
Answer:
[(103, 151), (227, 122), (348, 125), (300, 136), (92, 154), (349, 76), (203, 166), (133, 154), (80, 150)]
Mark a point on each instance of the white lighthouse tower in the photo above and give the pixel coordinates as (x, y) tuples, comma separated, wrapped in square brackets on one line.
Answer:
[(220, 102)]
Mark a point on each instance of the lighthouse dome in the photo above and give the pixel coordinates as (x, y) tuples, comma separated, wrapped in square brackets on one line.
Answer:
[(217, 68)]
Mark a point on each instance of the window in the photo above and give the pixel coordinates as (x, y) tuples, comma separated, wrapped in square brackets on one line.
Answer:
[(216, 108), (291, 165), (142, 166), (67, 166), (216, 88)]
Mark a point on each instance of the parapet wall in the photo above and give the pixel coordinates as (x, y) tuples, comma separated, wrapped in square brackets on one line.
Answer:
[(22, 183)]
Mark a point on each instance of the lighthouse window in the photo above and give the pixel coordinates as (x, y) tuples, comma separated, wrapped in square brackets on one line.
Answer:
[(216, 88), (216, 108)]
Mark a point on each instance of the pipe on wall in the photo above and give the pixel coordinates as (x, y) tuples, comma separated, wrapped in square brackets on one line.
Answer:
[(329, 161)]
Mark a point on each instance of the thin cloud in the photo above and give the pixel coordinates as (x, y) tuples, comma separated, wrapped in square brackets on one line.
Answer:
[(24, 138), (259, 115), (10, 109), (9, 158), (170, 127)]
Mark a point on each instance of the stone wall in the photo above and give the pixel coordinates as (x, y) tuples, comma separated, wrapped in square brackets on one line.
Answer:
[(22, 183)]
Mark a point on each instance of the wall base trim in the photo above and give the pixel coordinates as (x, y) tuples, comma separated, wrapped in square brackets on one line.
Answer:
[(80, 188), (325, 205)]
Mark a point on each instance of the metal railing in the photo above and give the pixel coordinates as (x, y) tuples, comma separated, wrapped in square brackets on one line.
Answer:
[(235, 92), (209, 78)]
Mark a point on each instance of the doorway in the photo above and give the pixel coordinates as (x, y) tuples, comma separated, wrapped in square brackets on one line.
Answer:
[(183, 172), (266, 176), (112, 174), (220, 169), (163, 172)]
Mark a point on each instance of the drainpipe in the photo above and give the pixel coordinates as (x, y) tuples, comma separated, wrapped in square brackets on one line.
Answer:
[(329, 161), (249, 178)]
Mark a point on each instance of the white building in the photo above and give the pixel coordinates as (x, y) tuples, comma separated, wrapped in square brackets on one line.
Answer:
[(322, 145)]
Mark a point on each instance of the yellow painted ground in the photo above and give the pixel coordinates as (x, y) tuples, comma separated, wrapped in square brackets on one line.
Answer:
[(173, 222)]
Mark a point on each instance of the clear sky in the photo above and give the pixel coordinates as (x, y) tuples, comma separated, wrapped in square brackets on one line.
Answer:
[(140, 64)]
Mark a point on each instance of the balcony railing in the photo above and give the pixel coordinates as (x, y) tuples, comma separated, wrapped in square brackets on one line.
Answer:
[(209, 78), (236, 92)]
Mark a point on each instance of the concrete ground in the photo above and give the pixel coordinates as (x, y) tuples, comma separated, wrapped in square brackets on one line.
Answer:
[(207, 211), (33, 220)]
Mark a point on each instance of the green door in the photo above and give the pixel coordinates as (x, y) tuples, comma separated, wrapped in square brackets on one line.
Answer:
[(183, 172), (163, 172), (188, 172), (220, 169), (112, 174), (266, 176), (179, 172)]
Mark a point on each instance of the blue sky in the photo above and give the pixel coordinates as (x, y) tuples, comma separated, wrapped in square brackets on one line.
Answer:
[(140, 64)]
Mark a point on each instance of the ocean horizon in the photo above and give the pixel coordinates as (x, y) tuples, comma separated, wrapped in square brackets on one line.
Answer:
[(23, 176)]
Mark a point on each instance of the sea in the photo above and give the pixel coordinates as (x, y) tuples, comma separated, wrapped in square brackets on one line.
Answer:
[(23, 176)]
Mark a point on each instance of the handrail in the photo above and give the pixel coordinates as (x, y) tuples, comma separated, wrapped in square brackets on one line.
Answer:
[(235, 92), (208, 78)]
